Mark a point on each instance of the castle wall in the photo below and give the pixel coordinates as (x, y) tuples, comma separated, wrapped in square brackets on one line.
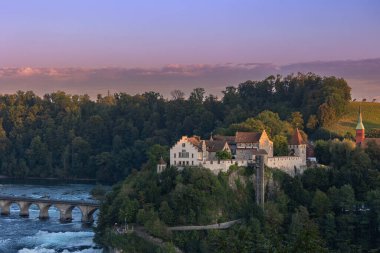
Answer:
[(289, 164), (223, 165), (244, 154)]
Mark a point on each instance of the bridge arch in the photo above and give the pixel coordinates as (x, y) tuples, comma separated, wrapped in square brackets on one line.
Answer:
[(34, 210), (23, 206), (5, 206), (88, 213)]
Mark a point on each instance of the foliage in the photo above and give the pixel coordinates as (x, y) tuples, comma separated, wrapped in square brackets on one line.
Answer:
[(223, 155), (280, 145), (71, 136)]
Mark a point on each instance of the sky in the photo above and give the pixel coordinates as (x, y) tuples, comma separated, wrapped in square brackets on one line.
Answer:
[(91, 46)]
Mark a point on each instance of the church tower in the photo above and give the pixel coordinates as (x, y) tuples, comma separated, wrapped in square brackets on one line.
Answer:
[(297, 146), (360, 130)]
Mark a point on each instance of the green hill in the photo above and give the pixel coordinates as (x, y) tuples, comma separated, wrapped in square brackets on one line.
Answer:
[(371, 118)]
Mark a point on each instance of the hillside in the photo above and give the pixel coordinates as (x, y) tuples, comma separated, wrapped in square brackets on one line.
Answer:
[(371, 117)]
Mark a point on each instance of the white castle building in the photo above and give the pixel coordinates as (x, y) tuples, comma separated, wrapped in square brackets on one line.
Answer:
[(243, 147)]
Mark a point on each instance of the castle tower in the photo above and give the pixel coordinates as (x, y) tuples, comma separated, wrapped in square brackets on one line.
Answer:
[(161, 165), (297, 146), (360, 130)]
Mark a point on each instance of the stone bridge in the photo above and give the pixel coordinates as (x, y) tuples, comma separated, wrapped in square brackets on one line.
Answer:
[(65, 207)]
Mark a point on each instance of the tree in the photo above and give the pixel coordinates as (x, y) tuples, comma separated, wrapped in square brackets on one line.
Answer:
[(342, 199), (104, 165), (166, 213), (155, 152), (177, 95), (197, 95), (272, 121), (320, 204), (223, 155), (280, 145), (326, 115), (39, 160), (312, 122), (322, 152), (250, 125), (304, 234), (296, 120)]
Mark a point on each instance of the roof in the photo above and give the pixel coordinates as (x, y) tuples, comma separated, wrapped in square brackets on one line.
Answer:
[(161, 161), (296, 139), (247, 137), (215, 145), (366, 141), (259, 152), (229, 139), (360, 125), (195, 140)]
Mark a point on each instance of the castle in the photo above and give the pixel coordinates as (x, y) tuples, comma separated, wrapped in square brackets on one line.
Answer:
[(241, 148)]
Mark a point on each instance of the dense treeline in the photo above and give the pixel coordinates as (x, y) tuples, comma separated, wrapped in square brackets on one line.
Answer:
[(70, 136), (328, 209)]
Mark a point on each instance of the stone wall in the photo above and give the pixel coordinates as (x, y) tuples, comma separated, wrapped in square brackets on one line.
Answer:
[(223, 165), (289, 164)]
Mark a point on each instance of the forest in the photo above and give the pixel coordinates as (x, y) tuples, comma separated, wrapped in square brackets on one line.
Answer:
[(74, 137)]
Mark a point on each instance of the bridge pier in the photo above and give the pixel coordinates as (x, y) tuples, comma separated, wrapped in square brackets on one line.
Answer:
[(24, 208), (65, 212), (87, 213), (5, 206), (44, 210)]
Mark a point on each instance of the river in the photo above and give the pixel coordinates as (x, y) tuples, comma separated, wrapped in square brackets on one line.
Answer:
[(31, 235)]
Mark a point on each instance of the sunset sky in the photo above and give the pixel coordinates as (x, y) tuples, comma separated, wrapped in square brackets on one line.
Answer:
[(92, 46)]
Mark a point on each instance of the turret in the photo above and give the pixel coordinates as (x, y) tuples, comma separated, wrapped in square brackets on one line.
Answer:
[(297, 146), (360, 130), (161, 165)]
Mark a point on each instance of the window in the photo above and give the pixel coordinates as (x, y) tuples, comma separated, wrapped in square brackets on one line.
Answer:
[(187, 162), (183, 154), (183, 145), (175, 155), (192, 155), (192, 162)]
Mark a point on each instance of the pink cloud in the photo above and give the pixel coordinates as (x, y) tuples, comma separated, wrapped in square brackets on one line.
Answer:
[(363, 76)]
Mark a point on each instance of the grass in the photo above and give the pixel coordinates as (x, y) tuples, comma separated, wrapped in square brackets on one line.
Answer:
[(371, 118)]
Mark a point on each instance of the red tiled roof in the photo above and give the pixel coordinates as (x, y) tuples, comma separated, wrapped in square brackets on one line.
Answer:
[(195, 140), (296, 138), (247, 137), (229, 139)]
